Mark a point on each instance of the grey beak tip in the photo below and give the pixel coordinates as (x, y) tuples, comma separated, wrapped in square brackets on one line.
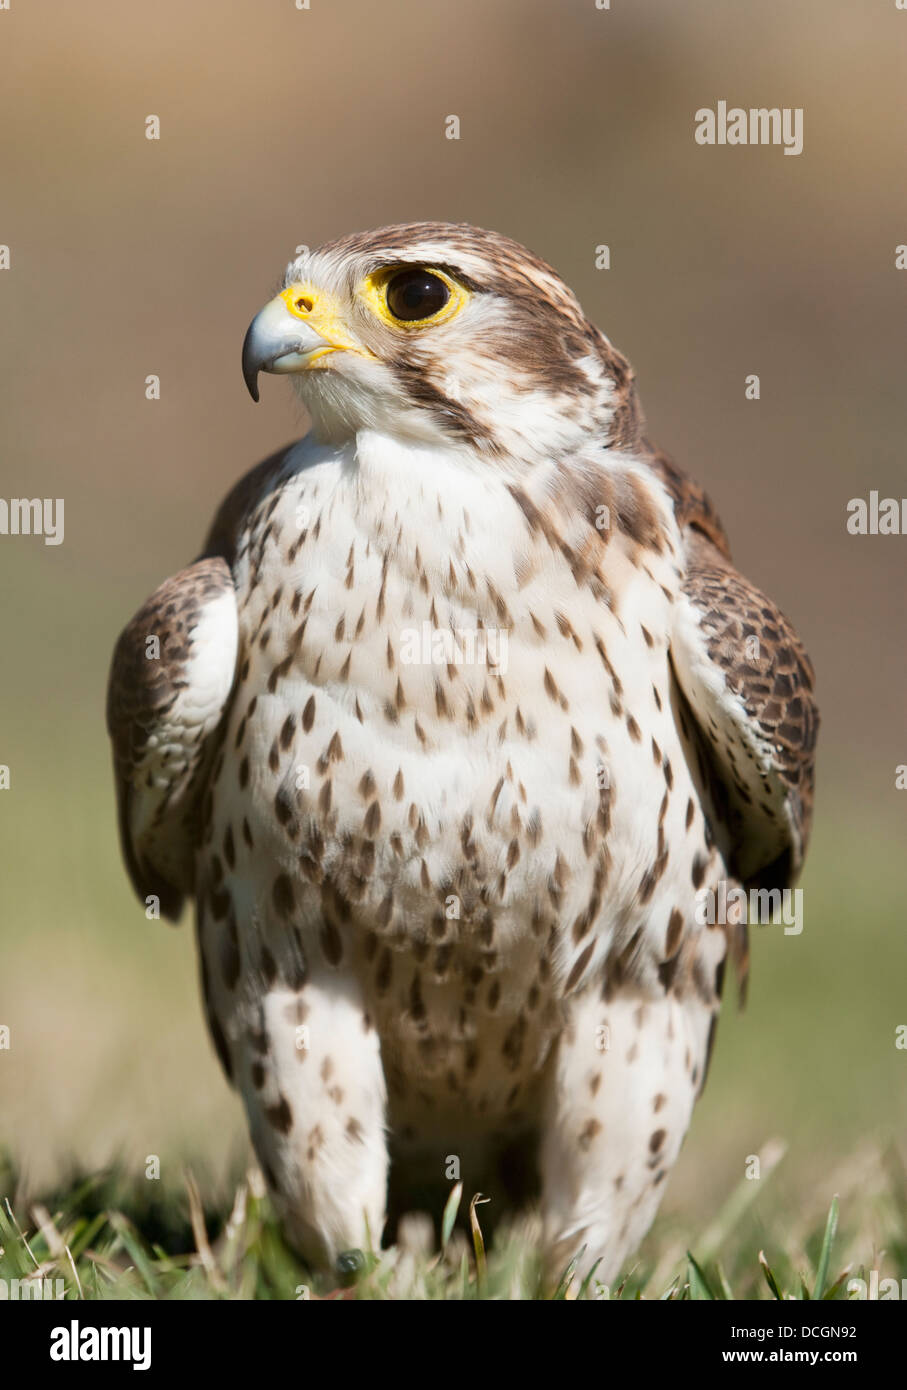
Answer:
[(250, 364)]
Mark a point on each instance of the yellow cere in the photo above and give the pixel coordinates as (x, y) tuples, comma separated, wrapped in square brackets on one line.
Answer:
[(321, 312), (374, 291)]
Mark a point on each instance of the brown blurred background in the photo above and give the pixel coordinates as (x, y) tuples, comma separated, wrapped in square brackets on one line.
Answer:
[(132, 257)]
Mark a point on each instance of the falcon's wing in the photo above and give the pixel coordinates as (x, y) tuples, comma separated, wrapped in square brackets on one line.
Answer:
[(172, 672), (749, 686), (166, 699)]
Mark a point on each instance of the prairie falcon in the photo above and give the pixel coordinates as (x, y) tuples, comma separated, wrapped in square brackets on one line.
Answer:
[(448, 890)]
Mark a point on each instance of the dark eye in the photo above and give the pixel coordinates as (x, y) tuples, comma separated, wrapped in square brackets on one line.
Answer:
[(416, 294)]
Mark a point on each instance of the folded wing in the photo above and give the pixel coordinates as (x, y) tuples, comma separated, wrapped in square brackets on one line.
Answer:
[(172, 673), (749, 686)]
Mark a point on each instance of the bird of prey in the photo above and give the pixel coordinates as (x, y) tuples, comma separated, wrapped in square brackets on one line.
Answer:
[(460, 716)]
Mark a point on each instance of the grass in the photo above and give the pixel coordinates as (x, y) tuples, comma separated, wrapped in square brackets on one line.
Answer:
[(109, 1237)]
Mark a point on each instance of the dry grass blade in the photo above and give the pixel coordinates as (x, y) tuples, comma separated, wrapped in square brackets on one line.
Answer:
[(478, 1243), (202, 1245)]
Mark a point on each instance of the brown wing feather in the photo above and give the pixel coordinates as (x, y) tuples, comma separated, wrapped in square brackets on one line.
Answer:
[(765, 665), (161, 713), (692, 505), (746, 683), (751, 694)]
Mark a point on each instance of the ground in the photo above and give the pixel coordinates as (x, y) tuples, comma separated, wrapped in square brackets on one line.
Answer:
[(109, 1238)]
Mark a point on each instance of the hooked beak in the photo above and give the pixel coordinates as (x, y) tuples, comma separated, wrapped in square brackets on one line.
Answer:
[(292, 333)]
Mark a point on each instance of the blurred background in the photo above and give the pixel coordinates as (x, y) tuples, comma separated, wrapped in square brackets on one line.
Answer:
[(280, 126)]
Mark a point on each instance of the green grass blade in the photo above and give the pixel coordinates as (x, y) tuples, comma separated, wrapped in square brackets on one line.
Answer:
[(769, 1276), (451, 1207), (563, 1284), (699, 1285), (831, 1228), (726, 1292), (584, 1287), (135, 1252)]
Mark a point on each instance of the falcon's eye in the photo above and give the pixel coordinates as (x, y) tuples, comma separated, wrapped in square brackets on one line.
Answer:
[(416, 294)]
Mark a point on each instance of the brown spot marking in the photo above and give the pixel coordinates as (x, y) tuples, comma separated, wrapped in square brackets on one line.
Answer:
[(647, 883), (667, 970), (383, 972), (331, 943), (220, 1045), (229, 953), (675, 932), (552, 691), (579, 966), (512, 1047), (659, 1101), (280, 1115), (284, 897), (220, 903), (416, 1002), (308, 714), (316, 1139), (334, 751), (354, 1131), (588, 1133), (285, 810), (268, 966), (657, 1140)]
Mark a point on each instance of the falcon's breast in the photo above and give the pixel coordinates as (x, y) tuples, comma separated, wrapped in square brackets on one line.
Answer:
[(452, 749)]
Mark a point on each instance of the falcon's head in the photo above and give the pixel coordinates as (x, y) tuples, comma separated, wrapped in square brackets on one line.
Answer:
[(446, 334)]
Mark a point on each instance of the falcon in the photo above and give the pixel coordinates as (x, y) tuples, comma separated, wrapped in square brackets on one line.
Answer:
[(457, 720)]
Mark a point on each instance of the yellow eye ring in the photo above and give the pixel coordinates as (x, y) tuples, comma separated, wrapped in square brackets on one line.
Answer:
[(374, 291)]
